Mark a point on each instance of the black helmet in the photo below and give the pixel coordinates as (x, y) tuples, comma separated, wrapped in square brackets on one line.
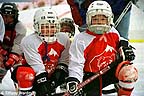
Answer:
[(9, 9)]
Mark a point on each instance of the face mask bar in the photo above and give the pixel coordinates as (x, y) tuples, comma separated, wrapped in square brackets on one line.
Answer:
[(48, 32)]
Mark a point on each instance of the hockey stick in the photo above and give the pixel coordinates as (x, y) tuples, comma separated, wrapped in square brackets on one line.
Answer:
[(97, 74), (123, 14)]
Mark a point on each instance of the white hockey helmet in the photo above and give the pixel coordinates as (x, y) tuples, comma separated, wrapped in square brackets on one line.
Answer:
[(48, 18), (99, 8)]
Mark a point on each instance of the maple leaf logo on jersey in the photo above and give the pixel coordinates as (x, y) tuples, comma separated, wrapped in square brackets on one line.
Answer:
[(53, 52)]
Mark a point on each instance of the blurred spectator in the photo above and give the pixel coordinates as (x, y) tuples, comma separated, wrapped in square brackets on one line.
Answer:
[(38, 3)]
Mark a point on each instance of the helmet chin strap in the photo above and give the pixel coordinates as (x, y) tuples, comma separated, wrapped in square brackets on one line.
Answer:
[(47, 39), (99, 31)]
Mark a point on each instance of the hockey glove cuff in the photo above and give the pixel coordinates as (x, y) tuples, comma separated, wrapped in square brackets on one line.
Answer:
[(41, 85), (13, 58), (72, 84)]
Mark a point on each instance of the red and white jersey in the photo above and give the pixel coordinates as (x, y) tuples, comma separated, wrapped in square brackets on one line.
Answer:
[(13, 37), (90, 52), (35, 50)]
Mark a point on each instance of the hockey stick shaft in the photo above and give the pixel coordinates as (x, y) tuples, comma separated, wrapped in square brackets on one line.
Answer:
[(123, 14), (97, 74)]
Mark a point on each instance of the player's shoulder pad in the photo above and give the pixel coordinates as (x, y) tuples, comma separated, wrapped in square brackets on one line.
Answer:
[(20, 28), (62, 37)]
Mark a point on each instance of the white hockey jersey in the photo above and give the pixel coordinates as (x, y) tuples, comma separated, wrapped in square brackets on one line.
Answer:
[(90, 52), (42, 58)]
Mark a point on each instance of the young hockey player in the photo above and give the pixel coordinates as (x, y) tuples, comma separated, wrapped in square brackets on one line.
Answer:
[(97, 48), (67, 26), (14, 31), (79, 9), (46, 54)]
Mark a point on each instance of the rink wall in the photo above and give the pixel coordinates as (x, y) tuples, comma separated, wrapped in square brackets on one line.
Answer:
[(136, 31)]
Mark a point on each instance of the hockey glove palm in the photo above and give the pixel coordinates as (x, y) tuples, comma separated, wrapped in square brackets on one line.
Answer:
[(127, 53)]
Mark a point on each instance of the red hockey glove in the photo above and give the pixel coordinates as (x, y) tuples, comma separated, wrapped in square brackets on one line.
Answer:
[(3, 55), (3, 51), (24, 76), (13, 58)]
